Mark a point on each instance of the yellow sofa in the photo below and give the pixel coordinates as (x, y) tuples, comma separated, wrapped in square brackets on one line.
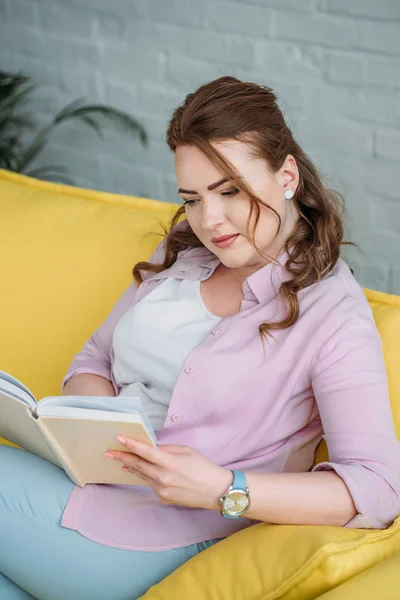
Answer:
[(66, 256)]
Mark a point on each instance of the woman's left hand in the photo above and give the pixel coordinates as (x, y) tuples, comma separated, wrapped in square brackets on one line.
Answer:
[(177, 474)]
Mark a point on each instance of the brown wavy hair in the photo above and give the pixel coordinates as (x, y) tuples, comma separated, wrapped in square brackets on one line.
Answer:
[(230, 109)]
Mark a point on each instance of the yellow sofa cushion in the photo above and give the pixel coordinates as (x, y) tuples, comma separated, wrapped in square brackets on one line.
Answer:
[(271, 562), (380, 582), (67, 255)]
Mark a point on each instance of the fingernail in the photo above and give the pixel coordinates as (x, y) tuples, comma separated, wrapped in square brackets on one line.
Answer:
[(108, 454), (121, 440)]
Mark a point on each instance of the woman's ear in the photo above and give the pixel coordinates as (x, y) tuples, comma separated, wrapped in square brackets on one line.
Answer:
[(289, 173)]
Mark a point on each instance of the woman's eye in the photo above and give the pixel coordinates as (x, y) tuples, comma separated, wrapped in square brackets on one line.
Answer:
[(230, 192), (227, 193)]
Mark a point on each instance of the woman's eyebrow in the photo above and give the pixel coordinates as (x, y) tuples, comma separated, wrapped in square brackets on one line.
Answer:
[(210, 187)]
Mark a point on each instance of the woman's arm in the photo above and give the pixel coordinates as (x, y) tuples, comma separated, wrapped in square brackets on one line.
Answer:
[(360, 485), (88, 385), (94, 357), (351, 389), (299, 498)]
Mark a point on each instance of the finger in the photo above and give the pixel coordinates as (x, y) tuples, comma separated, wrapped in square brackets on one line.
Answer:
[(127, 469), (142, 467), (150, 482), (174, 449), (149, 453), (157, 488)]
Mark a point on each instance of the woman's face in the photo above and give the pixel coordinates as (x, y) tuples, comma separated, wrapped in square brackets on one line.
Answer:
[(224, 210)]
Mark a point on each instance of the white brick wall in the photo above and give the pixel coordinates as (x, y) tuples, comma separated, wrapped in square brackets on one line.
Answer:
[(334, 63)]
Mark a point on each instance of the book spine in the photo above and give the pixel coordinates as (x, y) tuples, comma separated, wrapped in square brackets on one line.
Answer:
[(58, 451)]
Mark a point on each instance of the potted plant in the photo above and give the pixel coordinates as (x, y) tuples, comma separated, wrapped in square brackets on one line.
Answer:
[(16, 155)]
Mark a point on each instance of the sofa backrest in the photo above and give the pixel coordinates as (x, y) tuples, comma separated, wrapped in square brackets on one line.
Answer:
[(66, 255)]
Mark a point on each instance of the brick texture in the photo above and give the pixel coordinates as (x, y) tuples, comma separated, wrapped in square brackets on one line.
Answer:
[(335, 65)]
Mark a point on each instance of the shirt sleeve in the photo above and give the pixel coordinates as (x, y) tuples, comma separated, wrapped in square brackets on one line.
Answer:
[(350, 386), (95, 356)]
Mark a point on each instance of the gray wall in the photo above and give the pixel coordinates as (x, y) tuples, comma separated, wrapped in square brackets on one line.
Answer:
[(334, 63)]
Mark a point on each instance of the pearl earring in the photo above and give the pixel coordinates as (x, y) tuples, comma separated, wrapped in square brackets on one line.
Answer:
[(289, 194)]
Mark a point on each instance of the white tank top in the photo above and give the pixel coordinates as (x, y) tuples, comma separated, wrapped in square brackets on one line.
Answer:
[(152, 340)]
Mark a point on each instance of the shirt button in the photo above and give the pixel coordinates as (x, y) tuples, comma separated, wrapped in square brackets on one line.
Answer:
[(189, 369), (216, 331), (183, 270), (175, 418), (246, 287)]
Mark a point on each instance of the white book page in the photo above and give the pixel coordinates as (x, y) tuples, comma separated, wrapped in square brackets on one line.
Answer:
[(87, 413), (8, 388), (6, 377), (123, 404)]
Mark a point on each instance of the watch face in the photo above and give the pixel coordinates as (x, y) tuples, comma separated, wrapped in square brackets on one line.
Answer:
[(236, 502)]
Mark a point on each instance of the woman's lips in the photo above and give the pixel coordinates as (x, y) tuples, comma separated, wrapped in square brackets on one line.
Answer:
[(227, 242)]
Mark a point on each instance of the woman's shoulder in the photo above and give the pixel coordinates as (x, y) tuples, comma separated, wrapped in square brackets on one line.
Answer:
[(338, 296), (346, 321), (339, 283), (344, 279)]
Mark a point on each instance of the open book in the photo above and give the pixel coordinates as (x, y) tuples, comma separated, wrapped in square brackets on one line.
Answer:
[(73, 432)]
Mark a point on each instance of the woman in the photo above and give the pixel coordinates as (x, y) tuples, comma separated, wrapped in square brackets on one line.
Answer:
[(244, 353)]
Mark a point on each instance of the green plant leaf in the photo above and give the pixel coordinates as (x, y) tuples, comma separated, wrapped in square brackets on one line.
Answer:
[(10, 147), (8, 120), (92, 123), (15, 89), (66, 112), (58, 171), (34, 149), (40, 170), (128, 124)]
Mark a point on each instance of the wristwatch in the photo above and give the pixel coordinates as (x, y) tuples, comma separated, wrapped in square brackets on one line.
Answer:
[(236, 501)]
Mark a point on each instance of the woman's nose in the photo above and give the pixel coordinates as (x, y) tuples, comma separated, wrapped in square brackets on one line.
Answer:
[(212, 215)]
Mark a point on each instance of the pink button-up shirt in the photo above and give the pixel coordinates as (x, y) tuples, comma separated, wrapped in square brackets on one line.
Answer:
[(254, 410)]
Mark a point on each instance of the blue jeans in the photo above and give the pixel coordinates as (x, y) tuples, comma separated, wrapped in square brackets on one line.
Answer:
[(40, 559)]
